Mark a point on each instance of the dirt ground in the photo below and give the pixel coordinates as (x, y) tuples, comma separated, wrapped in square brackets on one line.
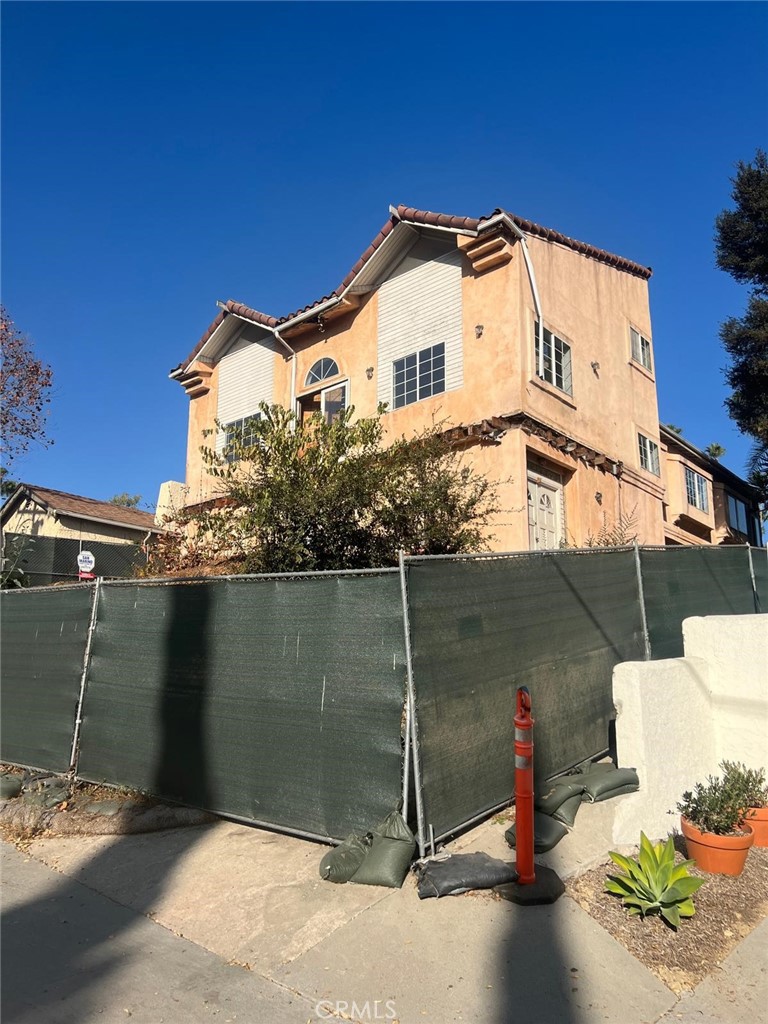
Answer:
[(123, 811), (727, 909)]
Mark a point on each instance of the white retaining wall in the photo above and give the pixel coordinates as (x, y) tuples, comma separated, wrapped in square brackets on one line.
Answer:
[(678, 719)]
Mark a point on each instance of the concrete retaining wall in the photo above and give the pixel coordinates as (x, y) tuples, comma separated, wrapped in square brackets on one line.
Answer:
[(678, 719)]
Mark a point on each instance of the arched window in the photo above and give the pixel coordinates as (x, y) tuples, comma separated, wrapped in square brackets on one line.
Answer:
[(322, 370)]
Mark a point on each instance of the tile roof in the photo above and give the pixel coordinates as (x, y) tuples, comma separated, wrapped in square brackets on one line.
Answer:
[(77, 505), (428, 219)]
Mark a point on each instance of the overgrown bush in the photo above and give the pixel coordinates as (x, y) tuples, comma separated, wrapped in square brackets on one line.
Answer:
[(313, 495)]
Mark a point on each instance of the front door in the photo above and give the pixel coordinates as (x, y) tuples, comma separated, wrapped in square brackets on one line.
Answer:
[(545, 510)]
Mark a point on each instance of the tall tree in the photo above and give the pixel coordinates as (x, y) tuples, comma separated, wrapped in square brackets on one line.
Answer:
[(741, 246), (25, 385), (126, 500)]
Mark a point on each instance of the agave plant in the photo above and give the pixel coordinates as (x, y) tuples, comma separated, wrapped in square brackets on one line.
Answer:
[(653, 883)]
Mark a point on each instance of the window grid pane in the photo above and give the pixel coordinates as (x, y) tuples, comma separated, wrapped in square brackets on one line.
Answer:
[(556, 362), (418, 375), (641, 348), (240, 432), (649, 455), (322, 370), (696, 490)]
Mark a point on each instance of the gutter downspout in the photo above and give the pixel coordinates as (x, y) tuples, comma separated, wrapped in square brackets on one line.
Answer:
[(293, 368), (503, 218)]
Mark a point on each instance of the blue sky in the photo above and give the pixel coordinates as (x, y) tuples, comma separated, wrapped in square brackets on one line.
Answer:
[(160, 156)]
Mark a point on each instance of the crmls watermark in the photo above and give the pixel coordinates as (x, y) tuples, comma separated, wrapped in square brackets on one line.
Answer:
[(371, 1009)]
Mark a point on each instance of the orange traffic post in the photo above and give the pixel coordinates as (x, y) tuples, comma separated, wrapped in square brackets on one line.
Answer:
[(533, 886), (526, 870)]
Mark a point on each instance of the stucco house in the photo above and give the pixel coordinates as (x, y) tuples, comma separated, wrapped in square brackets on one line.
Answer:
[(61, 524), (705, 503), (537, 348)]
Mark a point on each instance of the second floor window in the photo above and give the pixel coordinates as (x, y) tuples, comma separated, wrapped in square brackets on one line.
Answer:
[(555, 367), (322, 370), (240, 432), (696, 490), (641, 349), (649, 454), (738, 516), (419, 375)]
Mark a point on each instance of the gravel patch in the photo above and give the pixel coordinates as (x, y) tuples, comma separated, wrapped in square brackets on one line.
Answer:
[(727, 909)]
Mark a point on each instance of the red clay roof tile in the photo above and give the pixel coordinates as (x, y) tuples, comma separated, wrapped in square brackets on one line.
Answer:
[(429, 219)]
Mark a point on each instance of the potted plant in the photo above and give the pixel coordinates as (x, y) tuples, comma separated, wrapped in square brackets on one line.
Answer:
[(751, 791), (716, 835)]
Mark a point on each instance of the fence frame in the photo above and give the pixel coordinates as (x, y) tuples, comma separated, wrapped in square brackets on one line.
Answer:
[(75, 754), (411, 760)]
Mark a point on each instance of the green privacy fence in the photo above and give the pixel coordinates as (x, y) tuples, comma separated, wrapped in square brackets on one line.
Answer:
[(275, 700), (556, 622), (680, 582), (43, 639), (759, 560), (279, 700)]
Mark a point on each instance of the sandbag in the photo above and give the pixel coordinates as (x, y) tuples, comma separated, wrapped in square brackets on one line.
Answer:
[(547, 833), (462, 872), (341, 863), (603, 785), (560, 791), (390, 854), (568, 810)]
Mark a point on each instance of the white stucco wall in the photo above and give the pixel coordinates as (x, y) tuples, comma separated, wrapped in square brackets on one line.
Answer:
[(678, 719)]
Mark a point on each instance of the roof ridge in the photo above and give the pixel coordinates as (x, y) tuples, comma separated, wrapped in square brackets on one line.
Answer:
[(428, 219)]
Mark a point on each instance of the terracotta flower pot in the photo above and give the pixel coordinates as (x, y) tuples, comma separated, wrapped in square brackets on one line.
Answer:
[(757, 819), (718, 855)]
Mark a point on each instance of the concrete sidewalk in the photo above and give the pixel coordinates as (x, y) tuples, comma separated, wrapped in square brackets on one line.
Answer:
[(233, 923)]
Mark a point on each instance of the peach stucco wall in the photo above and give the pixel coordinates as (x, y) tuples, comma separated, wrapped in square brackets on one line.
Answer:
[(590, 305)]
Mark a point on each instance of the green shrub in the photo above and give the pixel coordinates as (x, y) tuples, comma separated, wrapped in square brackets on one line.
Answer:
[(713, 807), (654, 884), (747, 785)]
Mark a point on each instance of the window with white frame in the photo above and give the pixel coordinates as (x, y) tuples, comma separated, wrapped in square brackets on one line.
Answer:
[(239, 432), (418, 375), (641, 349), (555, 366), (322, 370), (649, 454), (696, 490)]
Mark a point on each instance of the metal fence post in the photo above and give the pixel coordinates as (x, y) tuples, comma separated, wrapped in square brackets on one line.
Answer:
[(755, 595), (411, 706), (641, 598), (75, 753)]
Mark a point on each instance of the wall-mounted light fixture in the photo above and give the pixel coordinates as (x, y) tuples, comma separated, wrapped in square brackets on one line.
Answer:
[(598, 497), (320, 324), (479, 328), (369, 373)]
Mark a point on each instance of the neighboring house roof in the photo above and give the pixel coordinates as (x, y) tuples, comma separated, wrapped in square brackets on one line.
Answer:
[(427, 219), (672, 439), (84, 508)]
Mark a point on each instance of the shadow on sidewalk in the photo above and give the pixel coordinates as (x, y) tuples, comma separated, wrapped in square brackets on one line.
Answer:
[(537, 977), (52, 965)]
